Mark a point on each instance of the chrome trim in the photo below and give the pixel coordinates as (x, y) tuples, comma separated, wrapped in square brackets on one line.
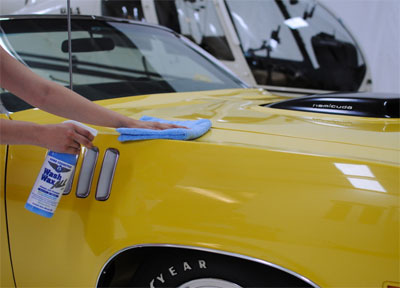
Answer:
[(203, 249), (83, 189), (110, 177), (294, 90), (68, 187)]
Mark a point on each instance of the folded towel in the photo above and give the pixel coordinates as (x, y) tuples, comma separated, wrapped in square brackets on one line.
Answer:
[(196, 128)]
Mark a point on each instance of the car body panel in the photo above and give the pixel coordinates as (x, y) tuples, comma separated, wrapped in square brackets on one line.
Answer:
[(6, 279), (239, 110), (256, 184)]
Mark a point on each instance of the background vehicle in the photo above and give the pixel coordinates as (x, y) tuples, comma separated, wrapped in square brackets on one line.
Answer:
[(274, 195), (297, 47)]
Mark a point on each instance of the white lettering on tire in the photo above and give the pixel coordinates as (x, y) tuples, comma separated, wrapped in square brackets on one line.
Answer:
[(172, 271), (161, 278), (186, 266)]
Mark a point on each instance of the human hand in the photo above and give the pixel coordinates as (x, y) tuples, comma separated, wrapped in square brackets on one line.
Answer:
[(152, 125), (65, 138)]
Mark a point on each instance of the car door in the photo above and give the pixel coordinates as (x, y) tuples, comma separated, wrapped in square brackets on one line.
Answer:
[(6, 279), (44, 251), (69, 248)]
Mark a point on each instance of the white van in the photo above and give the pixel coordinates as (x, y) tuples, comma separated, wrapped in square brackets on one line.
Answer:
[(290, 47)]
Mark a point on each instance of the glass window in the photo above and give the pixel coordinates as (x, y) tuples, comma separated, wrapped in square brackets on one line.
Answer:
[(198, 20), (111, 59), (131, 9), (296, 43), (254, 34)]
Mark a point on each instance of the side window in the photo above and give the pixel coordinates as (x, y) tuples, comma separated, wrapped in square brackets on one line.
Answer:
[(197, 20), (254, 27), (268, 45)]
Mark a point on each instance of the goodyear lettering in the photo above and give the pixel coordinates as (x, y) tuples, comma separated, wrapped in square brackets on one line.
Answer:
[(186, 266), (202, 264), (161, 278), (174, 271)]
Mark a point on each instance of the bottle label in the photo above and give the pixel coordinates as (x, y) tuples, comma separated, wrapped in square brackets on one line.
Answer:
[(49, 186)]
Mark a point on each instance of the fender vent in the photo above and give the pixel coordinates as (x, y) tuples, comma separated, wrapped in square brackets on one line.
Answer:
[(68, 187), (106, 176), (86, 173), (377, 105)]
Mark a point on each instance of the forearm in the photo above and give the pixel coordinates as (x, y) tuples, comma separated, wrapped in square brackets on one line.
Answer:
[(66, 103), (54, 98), (19, 132), (63, 137)]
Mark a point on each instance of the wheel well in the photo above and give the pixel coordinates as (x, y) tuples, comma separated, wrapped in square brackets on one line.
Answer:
[(170, 260)]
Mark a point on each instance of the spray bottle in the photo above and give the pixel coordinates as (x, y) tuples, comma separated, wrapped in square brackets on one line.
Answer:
[(52, 179)]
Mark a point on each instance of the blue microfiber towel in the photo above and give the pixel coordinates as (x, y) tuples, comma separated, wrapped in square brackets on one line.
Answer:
[(196, 129)]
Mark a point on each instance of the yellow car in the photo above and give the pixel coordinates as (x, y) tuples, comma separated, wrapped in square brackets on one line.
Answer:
[(299, 192)]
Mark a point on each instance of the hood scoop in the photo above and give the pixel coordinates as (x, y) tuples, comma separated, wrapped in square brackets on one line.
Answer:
[(377, 105)]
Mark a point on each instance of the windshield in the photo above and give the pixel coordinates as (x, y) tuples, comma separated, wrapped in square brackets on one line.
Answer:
[(296, 43), (110, 59)]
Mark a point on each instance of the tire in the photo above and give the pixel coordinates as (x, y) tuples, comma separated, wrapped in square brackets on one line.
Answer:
[(177, 267)]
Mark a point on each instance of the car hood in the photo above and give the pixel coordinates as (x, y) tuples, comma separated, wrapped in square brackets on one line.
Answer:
[(238, 118)]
